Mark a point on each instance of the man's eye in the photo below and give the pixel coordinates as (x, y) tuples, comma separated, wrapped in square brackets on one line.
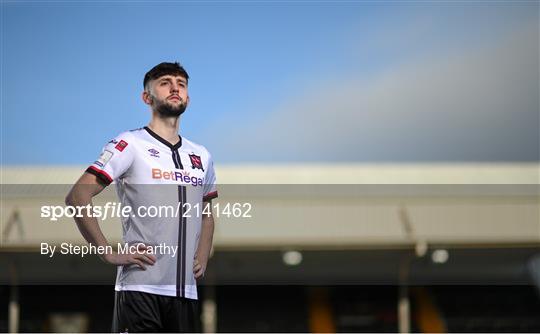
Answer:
[(164, 83)]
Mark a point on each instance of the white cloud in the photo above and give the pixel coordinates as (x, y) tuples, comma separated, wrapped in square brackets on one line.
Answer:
[(477, 103)]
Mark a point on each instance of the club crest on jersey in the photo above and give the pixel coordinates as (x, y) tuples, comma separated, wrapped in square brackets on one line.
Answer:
[(153, 152), (196, 162), (121, 145)]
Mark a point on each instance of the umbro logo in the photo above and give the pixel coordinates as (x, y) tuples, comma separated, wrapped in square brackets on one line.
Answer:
[(153, 152)]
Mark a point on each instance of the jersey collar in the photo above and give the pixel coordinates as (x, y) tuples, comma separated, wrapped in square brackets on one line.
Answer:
[(165, 142)]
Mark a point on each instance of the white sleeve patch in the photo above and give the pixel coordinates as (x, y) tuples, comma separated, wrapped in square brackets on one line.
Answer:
[(104, 158)]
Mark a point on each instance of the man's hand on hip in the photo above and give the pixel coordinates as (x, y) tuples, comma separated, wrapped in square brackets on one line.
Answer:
[(140, 259), (199, 267)]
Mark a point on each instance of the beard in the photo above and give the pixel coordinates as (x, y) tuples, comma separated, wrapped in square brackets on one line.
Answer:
[(166, 110)]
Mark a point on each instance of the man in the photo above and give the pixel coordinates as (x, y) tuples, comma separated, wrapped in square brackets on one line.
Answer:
[(154, 166)]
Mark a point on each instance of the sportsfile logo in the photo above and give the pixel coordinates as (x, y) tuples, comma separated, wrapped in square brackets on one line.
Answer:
[(182, 177)]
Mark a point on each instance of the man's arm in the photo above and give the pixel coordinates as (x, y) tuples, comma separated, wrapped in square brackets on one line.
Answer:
[(205, 242), (81, 194)]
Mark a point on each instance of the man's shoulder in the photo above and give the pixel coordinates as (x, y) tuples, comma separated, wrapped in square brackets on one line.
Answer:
[(130, 134), (124, 141)]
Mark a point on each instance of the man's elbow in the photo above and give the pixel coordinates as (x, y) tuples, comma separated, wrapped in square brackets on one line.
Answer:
[(70, 199), (75, 198)]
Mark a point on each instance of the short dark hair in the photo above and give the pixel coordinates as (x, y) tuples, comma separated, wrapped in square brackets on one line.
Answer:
[(165, 69)]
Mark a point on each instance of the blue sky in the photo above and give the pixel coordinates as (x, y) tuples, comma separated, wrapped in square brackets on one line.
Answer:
[(275, 82)]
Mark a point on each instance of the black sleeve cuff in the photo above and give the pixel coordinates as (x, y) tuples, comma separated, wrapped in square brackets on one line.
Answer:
[(102, 177), (210, 196)]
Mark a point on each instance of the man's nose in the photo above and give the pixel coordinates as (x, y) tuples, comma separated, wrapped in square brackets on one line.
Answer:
[(175, 87)]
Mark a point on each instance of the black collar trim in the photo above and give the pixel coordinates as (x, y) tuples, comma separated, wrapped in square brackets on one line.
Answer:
[(165, 142)]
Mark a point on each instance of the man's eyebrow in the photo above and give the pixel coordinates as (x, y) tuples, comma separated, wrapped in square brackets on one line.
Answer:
[(181, 79)]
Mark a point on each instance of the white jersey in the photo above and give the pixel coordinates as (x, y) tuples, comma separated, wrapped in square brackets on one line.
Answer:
[(150, 172)]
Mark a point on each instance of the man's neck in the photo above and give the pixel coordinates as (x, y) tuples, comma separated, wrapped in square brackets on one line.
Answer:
[(166, 128)]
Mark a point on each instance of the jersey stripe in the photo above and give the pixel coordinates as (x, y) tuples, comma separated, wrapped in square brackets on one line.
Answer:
[(176, 159), (179, 268), (183, 245), (181, 260)]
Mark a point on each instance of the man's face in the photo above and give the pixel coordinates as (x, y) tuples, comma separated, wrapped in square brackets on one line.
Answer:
[(167, 95)]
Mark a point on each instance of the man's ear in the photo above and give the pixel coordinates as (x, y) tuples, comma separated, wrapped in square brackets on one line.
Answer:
[(146, 97), (187, 101)]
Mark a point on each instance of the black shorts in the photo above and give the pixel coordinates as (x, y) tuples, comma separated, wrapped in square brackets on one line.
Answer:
[(136, 311)]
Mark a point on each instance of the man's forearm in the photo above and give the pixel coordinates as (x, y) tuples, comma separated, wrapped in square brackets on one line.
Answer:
[(205, 241), (90, 230), (88, 225)]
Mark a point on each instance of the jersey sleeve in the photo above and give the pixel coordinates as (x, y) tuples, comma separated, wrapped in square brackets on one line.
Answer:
[(114, 161), (210, 188)]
